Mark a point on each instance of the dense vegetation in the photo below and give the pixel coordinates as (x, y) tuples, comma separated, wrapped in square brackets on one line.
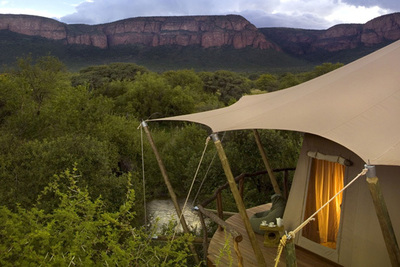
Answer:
[(161, 58), (71, 157)]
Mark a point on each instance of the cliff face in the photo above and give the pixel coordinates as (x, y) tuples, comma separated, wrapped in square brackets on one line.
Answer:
[(32, 25), (206, 31), (381, 29), (340, 37)]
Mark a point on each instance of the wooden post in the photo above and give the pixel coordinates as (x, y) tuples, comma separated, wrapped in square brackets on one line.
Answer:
[(285, 185), (238, 200), (290, 255), (238, 254), (169, 186), (235, 235), (241, 187), (205, 237), (266, 163), (383, 216), (220, 210)]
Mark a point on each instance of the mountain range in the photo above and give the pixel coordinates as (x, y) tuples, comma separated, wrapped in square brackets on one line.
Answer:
[(198, 42)]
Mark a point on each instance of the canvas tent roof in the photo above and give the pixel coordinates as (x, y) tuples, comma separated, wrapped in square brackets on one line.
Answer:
[(357, 106)]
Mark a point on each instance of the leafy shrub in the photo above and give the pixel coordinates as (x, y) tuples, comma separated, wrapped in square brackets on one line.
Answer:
[(79, 231)]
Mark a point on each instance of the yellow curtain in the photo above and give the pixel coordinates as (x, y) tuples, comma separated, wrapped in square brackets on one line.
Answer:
[(326, 179)]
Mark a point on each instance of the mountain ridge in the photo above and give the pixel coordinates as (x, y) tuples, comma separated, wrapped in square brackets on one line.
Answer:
[(206, 31), (380, 30), (195, 42)]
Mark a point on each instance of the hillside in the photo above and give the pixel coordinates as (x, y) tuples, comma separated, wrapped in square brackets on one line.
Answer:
[(206, 31), (343, 42), (160, 58), (195, 42)]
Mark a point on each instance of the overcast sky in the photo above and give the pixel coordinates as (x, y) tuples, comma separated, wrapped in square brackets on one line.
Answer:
[(306, 14)]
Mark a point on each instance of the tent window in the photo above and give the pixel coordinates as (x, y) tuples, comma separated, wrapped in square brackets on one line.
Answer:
[(338, 159), (326, 179)]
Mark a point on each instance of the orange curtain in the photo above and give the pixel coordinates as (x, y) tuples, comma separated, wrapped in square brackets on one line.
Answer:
[(326, 179)]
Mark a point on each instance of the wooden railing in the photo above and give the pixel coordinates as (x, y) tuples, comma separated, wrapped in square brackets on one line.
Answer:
[(218, 218)]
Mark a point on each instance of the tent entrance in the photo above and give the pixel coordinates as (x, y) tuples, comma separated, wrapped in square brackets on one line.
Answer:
[(326, 179)]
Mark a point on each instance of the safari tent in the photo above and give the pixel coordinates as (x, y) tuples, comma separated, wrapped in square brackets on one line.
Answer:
[(350, 117)]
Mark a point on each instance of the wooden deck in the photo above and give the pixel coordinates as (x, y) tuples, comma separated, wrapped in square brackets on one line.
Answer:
[(304, 258)]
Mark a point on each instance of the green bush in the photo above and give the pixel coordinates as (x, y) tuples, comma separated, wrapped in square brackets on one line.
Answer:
[(81, 232)]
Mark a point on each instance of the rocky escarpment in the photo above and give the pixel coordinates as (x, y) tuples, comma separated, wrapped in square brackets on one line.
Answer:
[(205, 31), (208, 31), (340, 37)]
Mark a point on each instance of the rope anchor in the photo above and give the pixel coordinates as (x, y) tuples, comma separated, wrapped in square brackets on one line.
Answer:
[(292, 234)]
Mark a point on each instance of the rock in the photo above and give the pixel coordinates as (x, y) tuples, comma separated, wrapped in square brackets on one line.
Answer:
[(384, 28), (86, 35), (337, 38), (33, 25), (208, 31), (205, 31)]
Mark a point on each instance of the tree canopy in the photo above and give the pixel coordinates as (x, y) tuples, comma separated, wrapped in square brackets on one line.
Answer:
[(52, 120)]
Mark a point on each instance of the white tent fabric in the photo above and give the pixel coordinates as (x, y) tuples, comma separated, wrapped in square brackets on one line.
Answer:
[(357, 106)]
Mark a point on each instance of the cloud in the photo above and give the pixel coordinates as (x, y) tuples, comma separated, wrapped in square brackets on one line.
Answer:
[(305, 21), (30, 11), (363, 14), (43, 8), (100, 11), (308, 14), (393, 5)]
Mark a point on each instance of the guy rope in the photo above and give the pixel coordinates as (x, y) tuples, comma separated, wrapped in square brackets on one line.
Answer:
[(292, 234), (188, 195)]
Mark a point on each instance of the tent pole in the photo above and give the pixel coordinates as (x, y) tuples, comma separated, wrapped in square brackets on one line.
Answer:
[(383, 216), (170, 188), (238, 200), (266, 163), (291, 260)]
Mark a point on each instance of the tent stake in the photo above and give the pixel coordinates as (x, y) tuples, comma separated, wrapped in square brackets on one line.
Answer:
[(383, 216), (170, 188), (238, 200), (266, 163)]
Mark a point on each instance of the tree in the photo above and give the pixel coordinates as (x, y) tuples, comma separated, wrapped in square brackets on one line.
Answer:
[(194, 85), (10, 97), (26, 90), (34, 162), (80, 231), (229, 86), (42, 78), (150, 95), (288, 80), (97, 78), (184, 78), (323, 69), (267, 82)]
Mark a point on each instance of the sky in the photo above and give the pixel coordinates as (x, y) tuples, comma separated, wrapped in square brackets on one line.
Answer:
[(305, 14)]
